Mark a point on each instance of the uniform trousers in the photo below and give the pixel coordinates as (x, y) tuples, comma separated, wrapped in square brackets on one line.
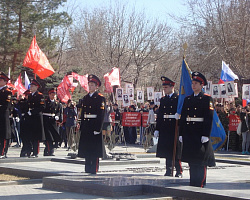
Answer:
[(49, 149), (91, 164), (177, 165), (36, 144), (198, 174), (4, 146), (27, 147)]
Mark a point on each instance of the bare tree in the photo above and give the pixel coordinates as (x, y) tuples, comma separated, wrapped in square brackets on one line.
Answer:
[(218, 30), (115, 37)]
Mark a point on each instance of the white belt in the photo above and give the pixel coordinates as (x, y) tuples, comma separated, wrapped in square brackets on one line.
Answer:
[(169, 116), (90, 116), (194, 119), (49, 114)]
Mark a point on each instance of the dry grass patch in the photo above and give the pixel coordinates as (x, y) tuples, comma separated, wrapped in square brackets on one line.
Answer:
[(7, 177)]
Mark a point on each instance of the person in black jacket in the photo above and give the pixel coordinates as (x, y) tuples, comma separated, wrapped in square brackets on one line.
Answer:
[(117, 128), (195, 129), (35, 127), (92, 116), (165, 128), (51, 114), (244, 117), (5, 104), (27, 146)]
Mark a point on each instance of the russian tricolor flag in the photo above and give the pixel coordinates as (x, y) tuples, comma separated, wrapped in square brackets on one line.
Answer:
[(227, 74)]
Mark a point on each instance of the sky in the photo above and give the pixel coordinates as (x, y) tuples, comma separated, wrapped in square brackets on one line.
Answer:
[(153, 8)]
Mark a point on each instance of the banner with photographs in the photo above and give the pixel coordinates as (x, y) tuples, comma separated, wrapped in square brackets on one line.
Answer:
[(208, 87), (131, 93), (246, 91), (157, 98), (127, 86), (150, 93), (125, 100), (230, 88), (140, 96), (223, 92), (119, 93), (215, 91)]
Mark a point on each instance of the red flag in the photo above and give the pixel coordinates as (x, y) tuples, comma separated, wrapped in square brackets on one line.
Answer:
[(63, 90), (83, 80), (108, 87), (114, 77), (19, 86), (221, 81), (73, 87), (13, 90), (37, 60)]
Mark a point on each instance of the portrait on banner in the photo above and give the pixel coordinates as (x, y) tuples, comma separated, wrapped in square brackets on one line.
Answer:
[(125, 100), (215, 91), (119, 92), (131, 93), (157, 97), (140, 96), (223, 93), (208, 87), (230, 88), (246, 91), (127, 86), (150, 93)]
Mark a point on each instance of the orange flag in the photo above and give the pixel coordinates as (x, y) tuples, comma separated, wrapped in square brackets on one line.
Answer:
[(37, 60)]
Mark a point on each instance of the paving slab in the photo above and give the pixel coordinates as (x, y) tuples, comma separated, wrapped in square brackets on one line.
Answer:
[(230, 178)]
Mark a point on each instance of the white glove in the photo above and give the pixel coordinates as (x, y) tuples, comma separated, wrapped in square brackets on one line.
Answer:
[(29, 113), (56, 118), (180, 138), (204, 139), (17, 119), (96, 133), (156, 133), (177, 116)]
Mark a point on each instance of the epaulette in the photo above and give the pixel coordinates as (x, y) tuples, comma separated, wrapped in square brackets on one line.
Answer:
[(40, 93), (7, 89), (207, 94), (100, 94)]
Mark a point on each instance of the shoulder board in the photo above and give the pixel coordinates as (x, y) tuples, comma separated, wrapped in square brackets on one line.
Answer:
[(40, 93), (7, 89), (100, 94), (207, 95)]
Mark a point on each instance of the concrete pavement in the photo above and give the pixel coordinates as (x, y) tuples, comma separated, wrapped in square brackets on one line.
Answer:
[(230, 177)]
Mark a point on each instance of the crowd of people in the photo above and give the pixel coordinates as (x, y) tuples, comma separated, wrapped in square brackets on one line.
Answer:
[(237, 141), (32, 119)]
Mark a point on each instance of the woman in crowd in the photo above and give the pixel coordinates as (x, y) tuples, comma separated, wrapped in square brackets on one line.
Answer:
[(244, 117)]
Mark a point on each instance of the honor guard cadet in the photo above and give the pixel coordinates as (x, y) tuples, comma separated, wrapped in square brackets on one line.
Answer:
[(92, 116), (35, 128), (51, 115), (195, 128), (5, 104), (165, 128), (27, 146)]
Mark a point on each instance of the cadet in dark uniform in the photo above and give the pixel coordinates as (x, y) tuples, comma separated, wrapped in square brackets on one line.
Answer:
[(165, 128), (27, 146), (92, 116), (51, 115), (195, 129), (5, 104), (35, 128)]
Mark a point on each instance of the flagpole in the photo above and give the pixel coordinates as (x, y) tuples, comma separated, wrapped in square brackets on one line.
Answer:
[(176, 123)]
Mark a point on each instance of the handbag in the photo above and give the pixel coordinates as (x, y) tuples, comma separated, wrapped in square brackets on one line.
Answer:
[(239, 128)]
